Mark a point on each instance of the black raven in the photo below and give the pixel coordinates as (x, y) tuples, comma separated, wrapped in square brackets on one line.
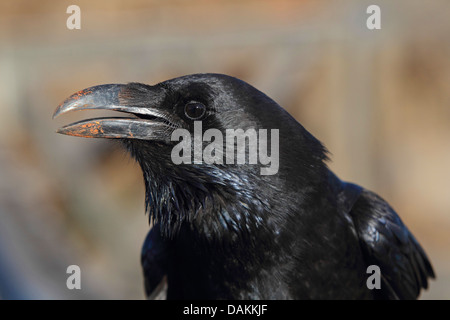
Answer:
[(227, 230)]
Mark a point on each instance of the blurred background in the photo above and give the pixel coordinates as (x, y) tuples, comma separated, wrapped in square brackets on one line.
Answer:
[(378, 99)]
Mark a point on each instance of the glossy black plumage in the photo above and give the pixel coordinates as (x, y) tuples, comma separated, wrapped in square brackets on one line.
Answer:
[(224, 231)]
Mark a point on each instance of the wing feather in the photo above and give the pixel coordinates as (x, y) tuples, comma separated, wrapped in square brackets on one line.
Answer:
[(387, 242)]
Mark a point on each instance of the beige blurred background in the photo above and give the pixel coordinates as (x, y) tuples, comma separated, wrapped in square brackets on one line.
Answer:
[(379, 100)]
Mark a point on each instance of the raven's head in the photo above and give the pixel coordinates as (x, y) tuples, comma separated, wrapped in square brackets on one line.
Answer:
[(216, 197)]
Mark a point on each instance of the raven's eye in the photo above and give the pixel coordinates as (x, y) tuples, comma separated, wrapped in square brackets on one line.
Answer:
[(194, 110)]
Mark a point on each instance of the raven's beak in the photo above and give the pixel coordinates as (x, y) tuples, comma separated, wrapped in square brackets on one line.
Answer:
[(149, 123)]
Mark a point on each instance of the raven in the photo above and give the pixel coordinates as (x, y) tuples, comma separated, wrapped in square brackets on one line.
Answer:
[(224, 230)]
